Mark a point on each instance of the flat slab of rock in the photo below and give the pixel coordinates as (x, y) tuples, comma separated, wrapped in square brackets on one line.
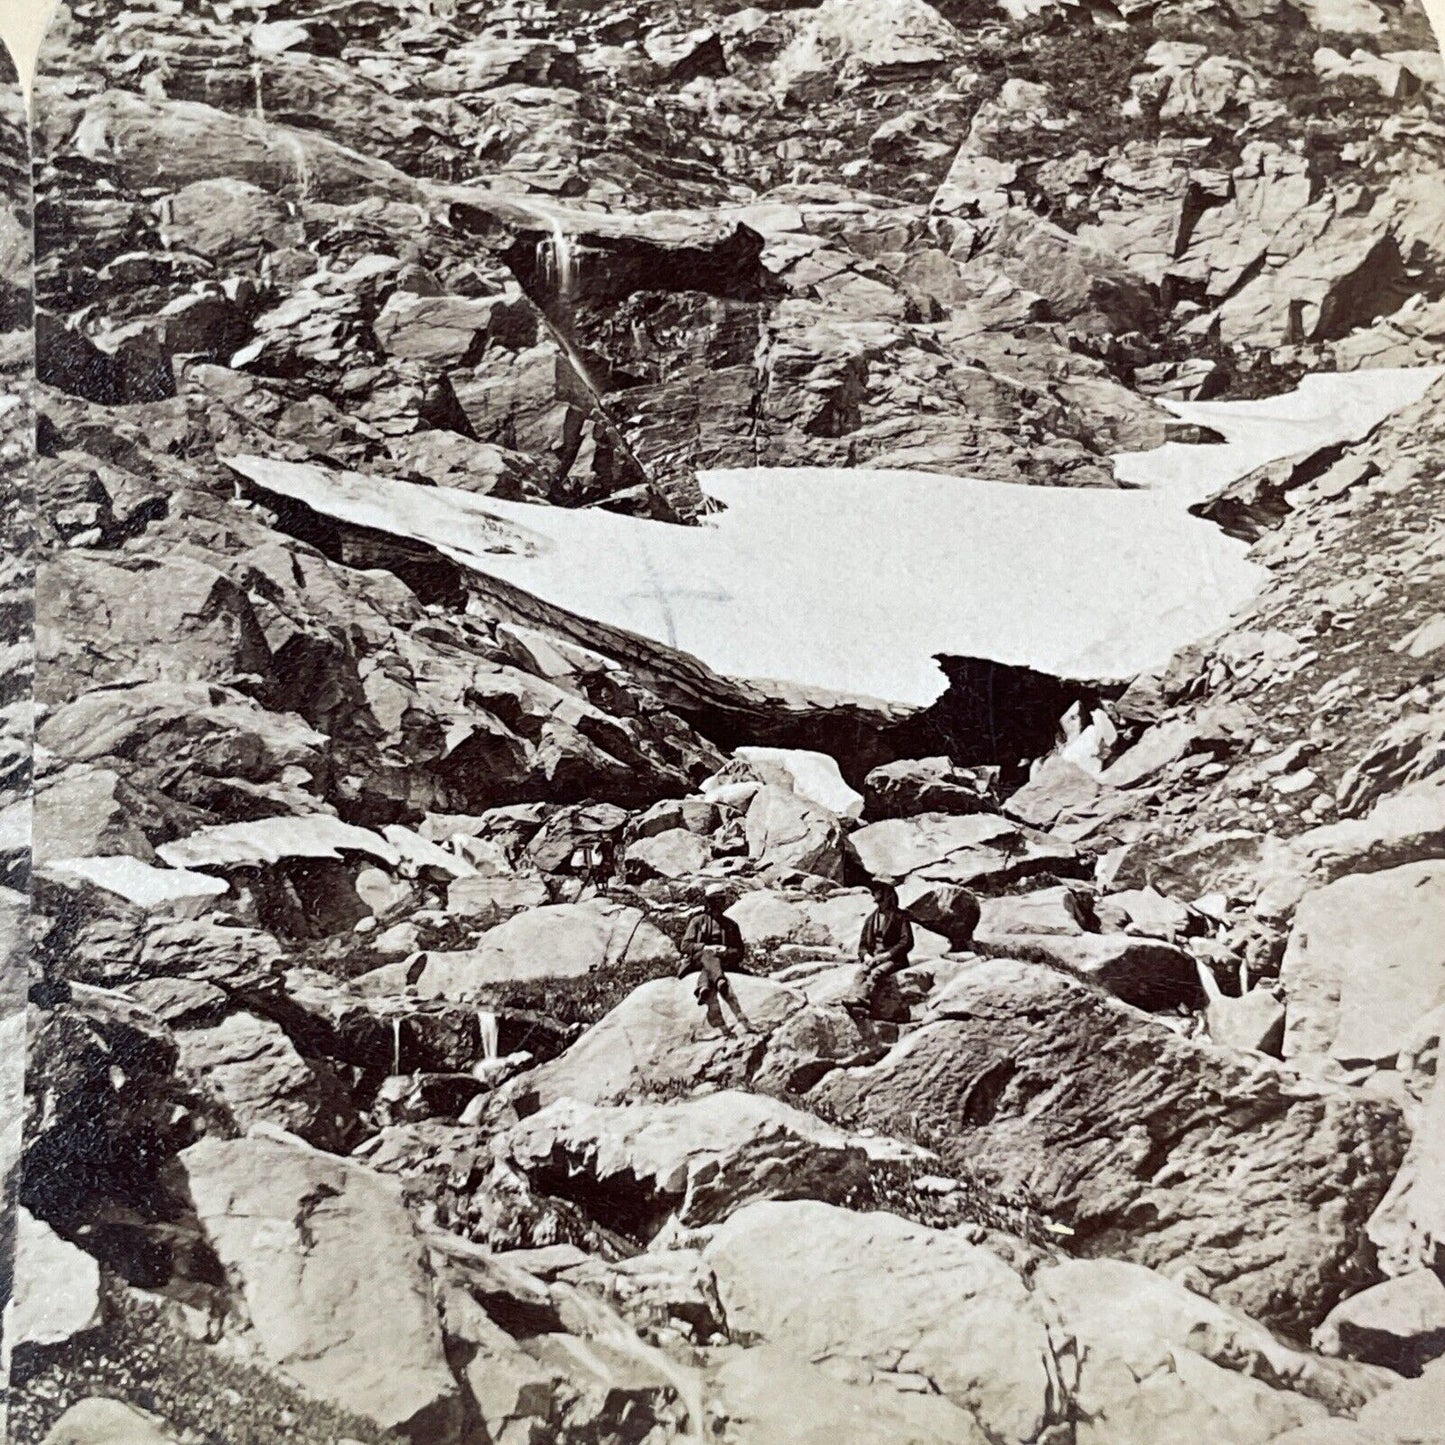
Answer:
[(976, 851), (1366, 958), (1050, 910), (1148, 1146), (1141, 971), (561, 940), (334, 1280), (101, 1421)]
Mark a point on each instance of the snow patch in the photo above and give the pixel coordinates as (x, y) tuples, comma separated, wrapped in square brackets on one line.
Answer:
[(850, 582), (268, 840), (847, 582), (813, 776), (1325, 409), (138, 882)]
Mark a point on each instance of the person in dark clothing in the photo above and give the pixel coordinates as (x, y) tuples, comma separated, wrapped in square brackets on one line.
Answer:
[(884, 945), (713, 944)]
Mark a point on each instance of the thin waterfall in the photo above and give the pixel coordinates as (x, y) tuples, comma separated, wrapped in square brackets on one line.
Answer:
[(257, 77), (487, 1029), (396, 1044), (555, 279), (557, 263), (292, 143)]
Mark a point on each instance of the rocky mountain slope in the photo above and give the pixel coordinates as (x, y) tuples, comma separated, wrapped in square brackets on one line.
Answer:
[(16, 597), (363, 1102)]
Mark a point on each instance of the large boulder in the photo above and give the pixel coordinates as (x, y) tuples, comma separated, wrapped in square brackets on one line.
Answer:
[(1060, 910), (1365, 960), (259, 1076), (772, 1397), (1153, 1350), (142, 619), (562, 940), (949, 1315), (550, 1384), (700, 1158), (923, 785), (1022, 1346), (1408, 1414), (227, 219), (569, 830), (785, 830), (56, 1292), (1059, 792), (1408, 1228), (980, 851), (1141, 971), (1081, 283), (947, 909), (442, 329), (100, 1420), (332, 1278), (1148, 1146), (1253, 1020), (1400, 1323), (696, 815), (672, 853), (1345, 270), (659, 1040)]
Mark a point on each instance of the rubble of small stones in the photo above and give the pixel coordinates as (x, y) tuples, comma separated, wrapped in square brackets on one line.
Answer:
[(363, 1100)]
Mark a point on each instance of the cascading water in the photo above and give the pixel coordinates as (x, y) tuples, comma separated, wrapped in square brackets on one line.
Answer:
[(487, 1030), (396, 1044), (257, 75), (557, 263)]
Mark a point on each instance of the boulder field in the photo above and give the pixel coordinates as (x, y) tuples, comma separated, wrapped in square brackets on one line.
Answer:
[(358, 806)]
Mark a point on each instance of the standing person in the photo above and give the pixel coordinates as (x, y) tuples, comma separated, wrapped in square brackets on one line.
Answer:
[(712, 944), (884, 945)]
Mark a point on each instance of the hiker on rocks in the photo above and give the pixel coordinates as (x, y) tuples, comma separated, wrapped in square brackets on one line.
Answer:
[(884, 947), (712, 944)]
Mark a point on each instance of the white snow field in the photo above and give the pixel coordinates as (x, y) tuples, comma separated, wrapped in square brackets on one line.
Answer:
[(1327, 407), (851, 581)]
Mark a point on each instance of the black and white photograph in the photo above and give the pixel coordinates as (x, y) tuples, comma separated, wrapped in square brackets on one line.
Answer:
[(723, 723)]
